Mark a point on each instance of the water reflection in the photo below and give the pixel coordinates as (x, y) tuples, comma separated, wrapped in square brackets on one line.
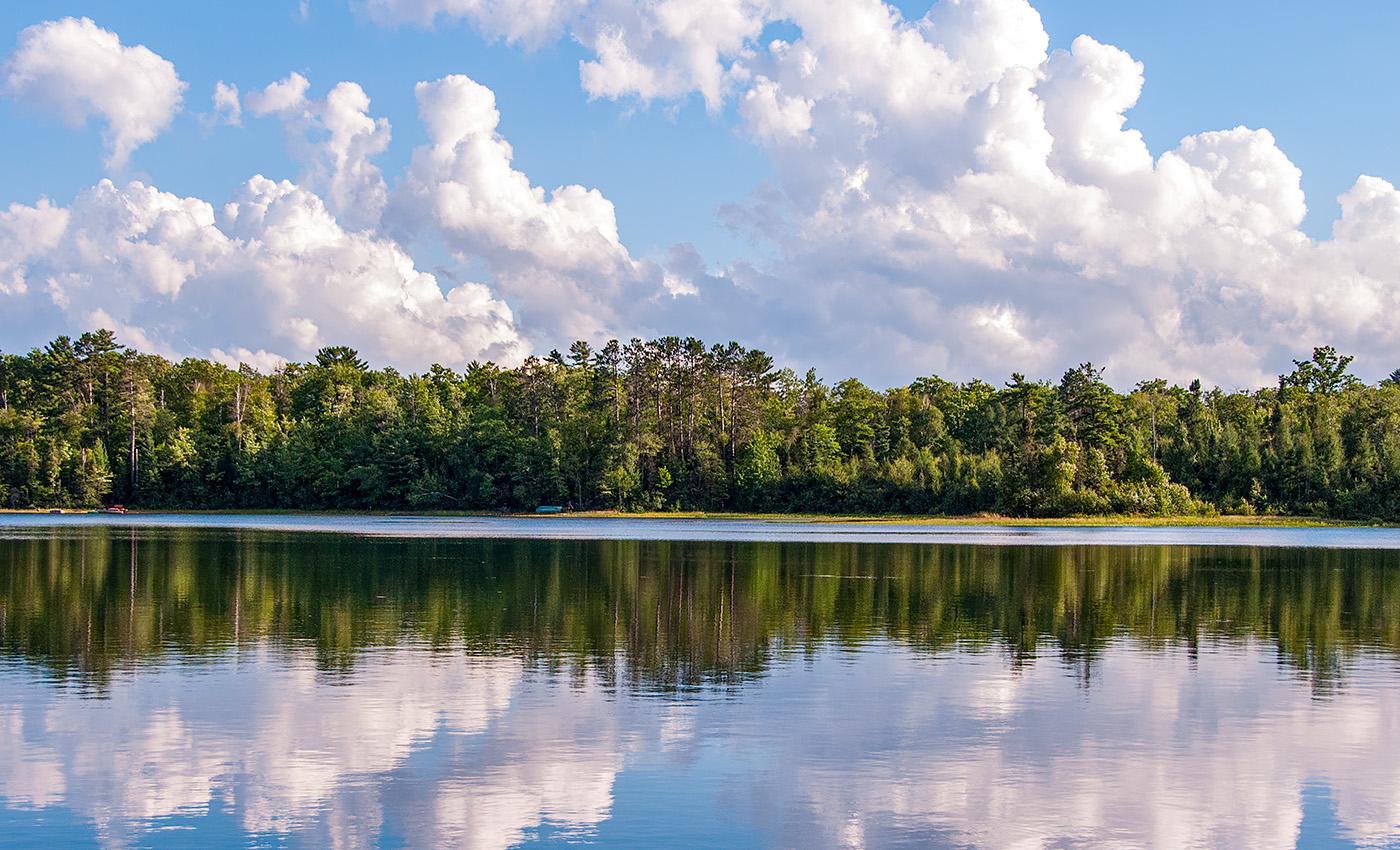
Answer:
[(331, 691)]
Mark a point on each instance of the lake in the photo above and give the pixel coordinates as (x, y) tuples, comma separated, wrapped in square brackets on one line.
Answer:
[(388, 682)]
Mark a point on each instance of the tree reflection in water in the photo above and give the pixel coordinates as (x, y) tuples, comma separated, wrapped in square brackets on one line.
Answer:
[(667, 615), (360, 692)]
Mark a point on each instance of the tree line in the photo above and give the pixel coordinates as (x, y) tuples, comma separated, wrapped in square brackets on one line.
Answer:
[(673, 424)]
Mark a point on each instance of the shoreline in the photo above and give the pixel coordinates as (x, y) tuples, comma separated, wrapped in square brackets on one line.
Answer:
[(1119, 520)]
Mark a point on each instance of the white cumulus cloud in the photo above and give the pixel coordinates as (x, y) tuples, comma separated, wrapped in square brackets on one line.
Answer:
[(227, 107), (336, 141), (78, 70), (555, 254), (271, 275), (27, 232), (953, 195), (949, 194)]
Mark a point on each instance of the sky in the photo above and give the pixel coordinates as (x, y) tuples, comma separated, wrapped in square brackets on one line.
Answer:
[(967, 188)]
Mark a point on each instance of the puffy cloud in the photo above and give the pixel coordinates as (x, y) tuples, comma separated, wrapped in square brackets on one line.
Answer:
[(650, 49), (1370, 215), (27, 232), (669, 48), (465, 179), (774, 117), (285, 268), (336, 140), (1085, 93), (952, 195), (227, 107), (285, 95), (555, 254), (271, 275), (938, 176), (79, 70), (354, 188), (949, 194), (1013, 180)]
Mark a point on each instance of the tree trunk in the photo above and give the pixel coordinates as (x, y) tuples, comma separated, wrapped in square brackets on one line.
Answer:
[(132, 459), (238, 415)]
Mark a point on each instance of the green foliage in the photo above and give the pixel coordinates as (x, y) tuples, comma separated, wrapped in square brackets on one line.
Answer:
[(759, 467), (670, 423), (1325, 374), (340, 355), (621, 481)]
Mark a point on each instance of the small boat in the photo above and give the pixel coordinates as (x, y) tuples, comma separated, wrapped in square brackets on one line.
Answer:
[(55, 510), (549, 509), (114, 509)]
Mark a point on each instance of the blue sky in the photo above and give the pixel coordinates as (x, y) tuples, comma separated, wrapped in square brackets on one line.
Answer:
[(1306, 71), (1309, 73), (559, 136)]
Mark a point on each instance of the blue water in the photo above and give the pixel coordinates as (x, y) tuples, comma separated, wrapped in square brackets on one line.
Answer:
[(736, 530), (253, 681)]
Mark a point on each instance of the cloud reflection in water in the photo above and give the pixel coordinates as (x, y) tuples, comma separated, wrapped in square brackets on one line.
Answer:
[(326, 690), (885, 747)]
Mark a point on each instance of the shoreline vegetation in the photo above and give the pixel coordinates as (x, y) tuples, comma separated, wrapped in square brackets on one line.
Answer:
[(671, 427)]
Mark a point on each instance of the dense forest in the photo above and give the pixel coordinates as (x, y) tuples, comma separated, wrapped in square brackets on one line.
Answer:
[(671, 424)]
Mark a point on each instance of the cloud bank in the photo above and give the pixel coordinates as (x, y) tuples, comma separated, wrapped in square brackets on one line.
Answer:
[(949, 195), (270, 276)]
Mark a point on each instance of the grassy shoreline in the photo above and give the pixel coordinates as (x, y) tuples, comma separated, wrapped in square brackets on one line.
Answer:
[(1220, 521)]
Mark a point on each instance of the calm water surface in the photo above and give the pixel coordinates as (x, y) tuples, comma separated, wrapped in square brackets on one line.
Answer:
[(331, 682)]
